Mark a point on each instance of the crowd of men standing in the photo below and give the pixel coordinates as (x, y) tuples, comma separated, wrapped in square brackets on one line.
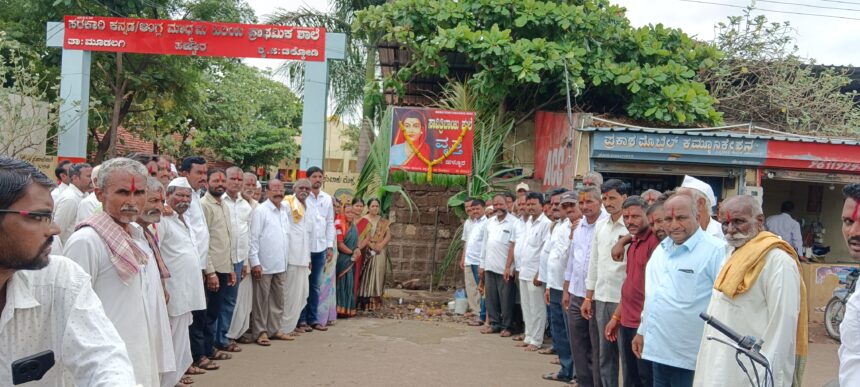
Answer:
[(184, 263), (620, 281)]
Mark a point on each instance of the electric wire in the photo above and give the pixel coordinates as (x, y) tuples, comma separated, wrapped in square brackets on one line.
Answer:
[(809, 6), (771, 10)]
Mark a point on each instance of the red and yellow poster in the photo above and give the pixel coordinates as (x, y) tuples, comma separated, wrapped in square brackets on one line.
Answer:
[(432, 141)]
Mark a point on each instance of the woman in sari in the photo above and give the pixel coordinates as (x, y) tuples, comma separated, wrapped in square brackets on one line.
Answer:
[(348, 252), (375, 259), (327, 309), (360, 226)]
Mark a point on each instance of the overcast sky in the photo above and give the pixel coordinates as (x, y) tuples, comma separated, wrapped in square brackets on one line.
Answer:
[(828, 40)]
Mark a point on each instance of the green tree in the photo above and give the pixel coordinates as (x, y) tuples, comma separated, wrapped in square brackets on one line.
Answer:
[(523, 49), (762, 80), (249, 119), (153, 96), (355, 89)]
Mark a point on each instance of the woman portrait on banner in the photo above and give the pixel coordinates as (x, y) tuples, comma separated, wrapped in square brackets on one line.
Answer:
[(412, 123), (375, 237)]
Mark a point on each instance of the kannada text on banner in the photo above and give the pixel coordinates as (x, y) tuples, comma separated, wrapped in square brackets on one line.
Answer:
[(183, 37), (432, 133)]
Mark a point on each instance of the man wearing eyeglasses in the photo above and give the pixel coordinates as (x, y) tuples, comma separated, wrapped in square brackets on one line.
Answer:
[(46, 301)]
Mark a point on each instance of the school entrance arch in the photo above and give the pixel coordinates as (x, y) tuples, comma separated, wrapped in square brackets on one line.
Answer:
[(78, 36)]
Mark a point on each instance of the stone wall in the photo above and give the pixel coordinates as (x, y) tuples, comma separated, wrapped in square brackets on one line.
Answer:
[(411, 250)]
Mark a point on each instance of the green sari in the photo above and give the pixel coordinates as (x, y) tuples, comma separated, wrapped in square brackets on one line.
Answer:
[(346, 276)]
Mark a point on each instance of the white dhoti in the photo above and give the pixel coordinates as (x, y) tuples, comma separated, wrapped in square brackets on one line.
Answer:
[(296, 294), (534, 311), (181, 349), (242, 314)]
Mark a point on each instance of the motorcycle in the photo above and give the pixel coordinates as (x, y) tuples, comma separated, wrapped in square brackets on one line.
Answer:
[(835, 310)]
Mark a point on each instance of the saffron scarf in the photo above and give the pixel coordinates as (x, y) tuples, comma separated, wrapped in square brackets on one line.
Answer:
[(125, 256), (745, 265), (298, 209)]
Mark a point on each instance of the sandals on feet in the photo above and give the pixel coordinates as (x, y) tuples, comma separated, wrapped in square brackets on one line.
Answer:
[(555, 361), (532, 348), (519, 338), (547, 351), (232, 347), (205, 364), (554, 377), (505, 333), (263, 339), (218, 355), (186, 380), (194, 370), (282, 336), (319, 327), (244, 340), (488, 330)]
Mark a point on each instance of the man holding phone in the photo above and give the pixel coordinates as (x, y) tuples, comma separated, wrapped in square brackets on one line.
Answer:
[(48, 310)]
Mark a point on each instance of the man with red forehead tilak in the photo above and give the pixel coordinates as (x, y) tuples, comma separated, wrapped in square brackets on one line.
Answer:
[(758, 292), (111, 248), (849, 351)]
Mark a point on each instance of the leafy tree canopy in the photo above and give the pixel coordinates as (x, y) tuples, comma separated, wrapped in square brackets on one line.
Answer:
[(520, 48)]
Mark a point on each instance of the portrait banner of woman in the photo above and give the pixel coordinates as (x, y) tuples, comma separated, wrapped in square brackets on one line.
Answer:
[(432, 134)]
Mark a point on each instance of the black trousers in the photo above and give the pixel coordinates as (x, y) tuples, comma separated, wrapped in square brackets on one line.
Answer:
[(583, 344), (637, 372), (201, 336), (500, 296)]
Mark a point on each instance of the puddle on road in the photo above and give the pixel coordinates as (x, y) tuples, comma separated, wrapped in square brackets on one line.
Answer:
[(414, 331)]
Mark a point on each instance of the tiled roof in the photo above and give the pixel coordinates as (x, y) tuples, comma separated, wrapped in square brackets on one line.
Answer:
[(729, 134)]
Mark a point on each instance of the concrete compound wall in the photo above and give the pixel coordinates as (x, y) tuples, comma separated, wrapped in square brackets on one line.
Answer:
[(411, 250)]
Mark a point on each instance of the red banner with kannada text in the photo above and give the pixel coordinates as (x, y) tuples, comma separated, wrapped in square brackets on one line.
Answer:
[(198, 38), (434, 134)]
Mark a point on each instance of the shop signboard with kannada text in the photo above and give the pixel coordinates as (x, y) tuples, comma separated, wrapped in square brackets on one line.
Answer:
[(80, 35), (554, 150), (811, 156), (200, 38), (442, 138), (679, 148)]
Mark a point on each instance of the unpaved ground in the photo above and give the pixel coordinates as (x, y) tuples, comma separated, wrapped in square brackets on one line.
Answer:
[(399, 347)]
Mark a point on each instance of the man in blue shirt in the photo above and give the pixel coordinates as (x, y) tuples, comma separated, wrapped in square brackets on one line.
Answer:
[(678, 282)]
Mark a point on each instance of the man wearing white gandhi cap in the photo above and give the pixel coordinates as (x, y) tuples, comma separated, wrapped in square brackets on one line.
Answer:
[(703, 195), (178, 247)]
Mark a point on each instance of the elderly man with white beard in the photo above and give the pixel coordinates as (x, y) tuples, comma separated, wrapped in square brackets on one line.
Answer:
[(298, 257), (111, 248), (185, 285), (758, 292), (157, 273)]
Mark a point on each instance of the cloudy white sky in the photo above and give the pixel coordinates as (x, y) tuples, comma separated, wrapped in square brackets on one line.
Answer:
[(828, 40)]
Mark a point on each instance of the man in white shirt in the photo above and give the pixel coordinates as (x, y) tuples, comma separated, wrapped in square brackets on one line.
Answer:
[(583, 339), (66, 206), (90, 205), (156, 274), (269, 241), (500, 232), (62, 174), (849, 351), (320, 210), (471, 261), (704, 198), (242, 321), (298, 257), (605, 277), (46, 301), (786, 227), (195, 171), (111, 248), (531, 290), (552, 274), (240, 217), (185, 285), (767, 305)]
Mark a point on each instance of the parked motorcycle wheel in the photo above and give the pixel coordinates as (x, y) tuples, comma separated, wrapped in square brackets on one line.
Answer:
[(833, 314)]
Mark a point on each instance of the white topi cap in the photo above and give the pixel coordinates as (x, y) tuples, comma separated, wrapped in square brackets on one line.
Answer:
[(180, 182), (522, 186), (701, 186)]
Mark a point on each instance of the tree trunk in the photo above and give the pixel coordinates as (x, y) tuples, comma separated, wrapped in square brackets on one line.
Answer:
[(365, 134)]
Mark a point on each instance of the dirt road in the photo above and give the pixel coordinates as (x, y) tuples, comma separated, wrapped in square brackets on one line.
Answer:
[(380, 352)]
